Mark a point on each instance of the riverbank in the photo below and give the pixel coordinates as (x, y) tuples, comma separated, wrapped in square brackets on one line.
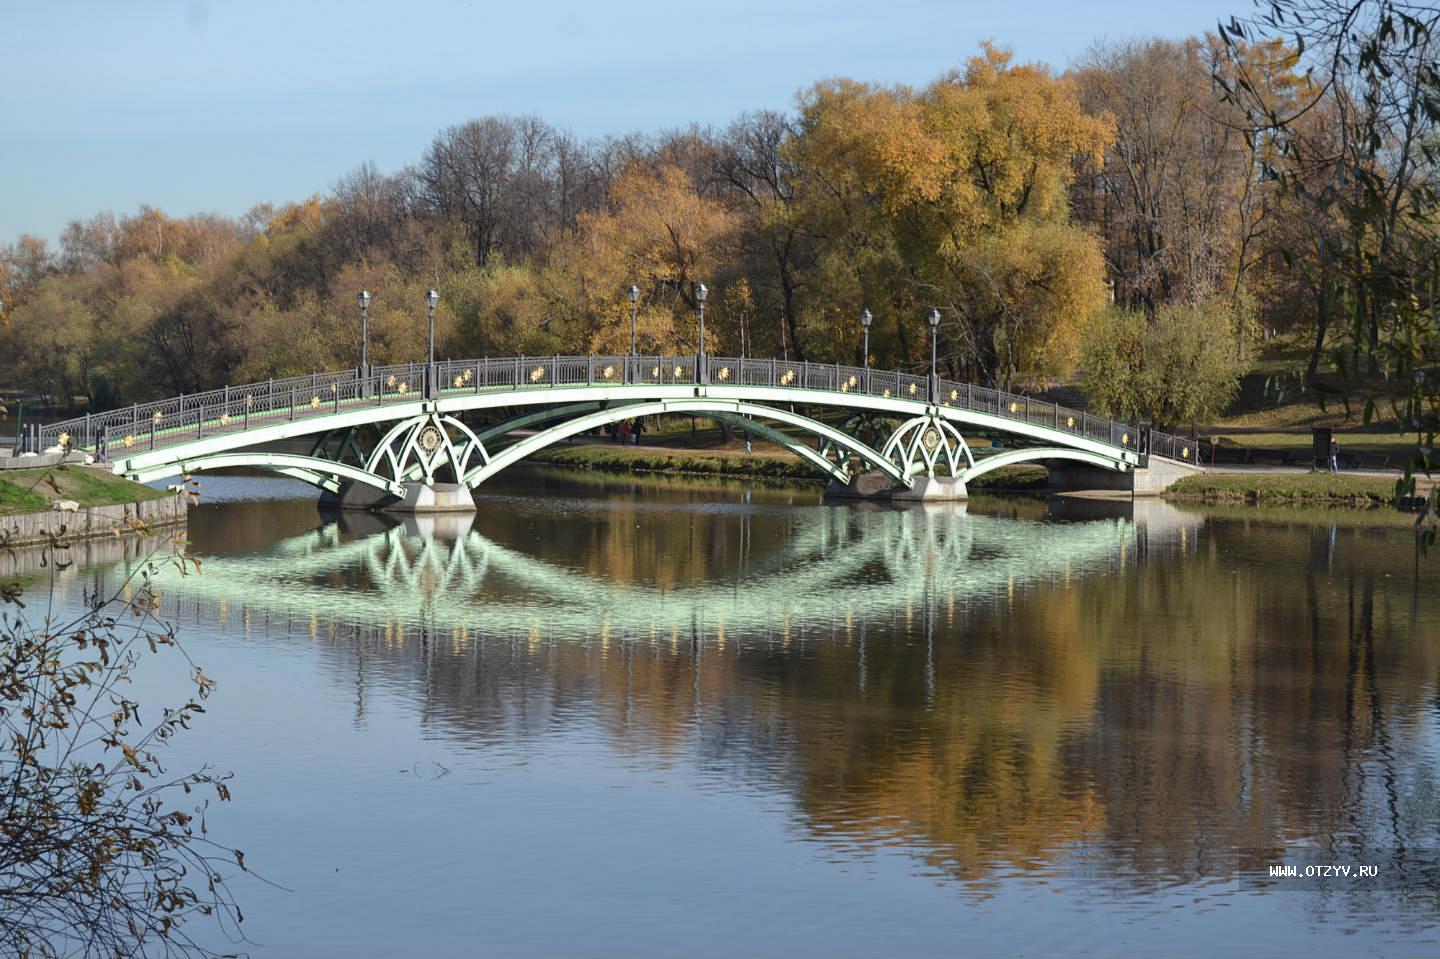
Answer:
[(1324, 490), (39, 488), (104, 505), (1295, 489), (614, 458), (766, 465)]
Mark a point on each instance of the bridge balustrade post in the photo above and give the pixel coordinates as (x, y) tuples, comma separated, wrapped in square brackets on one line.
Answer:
[(516, 381), (772, 371), (589, 371), (476, 374), (292, 402), (270, 394), (88, 440), (200, 422)]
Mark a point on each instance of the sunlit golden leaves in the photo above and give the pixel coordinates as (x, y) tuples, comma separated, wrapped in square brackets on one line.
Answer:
[(956, 196)]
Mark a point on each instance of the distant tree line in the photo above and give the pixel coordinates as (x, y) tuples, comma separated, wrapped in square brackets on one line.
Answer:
[(1030, 207)]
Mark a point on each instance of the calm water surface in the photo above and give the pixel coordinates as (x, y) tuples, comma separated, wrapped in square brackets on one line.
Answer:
[(634, 717)]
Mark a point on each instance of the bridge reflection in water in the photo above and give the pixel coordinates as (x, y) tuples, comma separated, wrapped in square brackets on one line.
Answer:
[(1128, 702), (440, 573)]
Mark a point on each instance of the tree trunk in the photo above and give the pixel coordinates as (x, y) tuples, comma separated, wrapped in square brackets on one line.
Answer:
[(1322, 323)]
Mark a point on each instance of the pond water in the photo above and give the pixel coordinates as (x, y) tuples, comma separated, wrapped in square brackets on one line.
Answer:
[(617, 716)]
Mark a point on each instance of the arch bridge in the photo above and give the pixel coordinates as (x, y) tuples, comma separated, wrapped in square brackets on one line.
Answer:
[(392, 435)]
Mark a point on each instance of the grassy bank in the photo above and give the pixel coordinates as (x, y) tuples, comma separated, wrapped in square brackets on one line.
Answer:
[(768, 464), (1309, 489), (1020, 478), (34, 490), (1399, 447), (633, 459)]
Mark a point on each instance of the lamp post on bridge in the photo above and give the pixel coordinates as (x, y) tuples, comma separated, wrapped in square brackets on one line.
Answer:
[(933, 318), (865, 320), (364, 299), (20, 412), (701, 373), (634, 293), (431, 298)]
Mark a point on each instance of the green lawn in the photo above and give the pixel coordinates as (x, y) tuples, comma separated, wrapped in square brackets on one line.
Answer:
[(19, 499)]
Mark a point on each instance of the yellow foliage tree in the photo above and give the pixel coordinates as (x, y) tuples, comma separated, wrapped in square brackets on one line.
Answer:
[(957, 196), (658, 232)]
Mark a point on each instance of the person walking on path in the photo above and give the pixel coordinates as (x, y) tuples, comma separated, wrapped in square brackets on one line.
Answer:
[(624, 432), (1334, 455), (636, 428)]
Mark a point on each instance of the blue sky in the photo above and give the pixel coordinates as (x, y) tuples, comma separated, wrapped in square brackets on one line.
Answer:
[(198, 105)]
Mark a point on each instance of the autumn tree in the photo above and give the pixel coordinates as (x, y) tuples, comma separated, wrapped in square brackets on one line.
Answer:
[(1167, 182), (512, 183), (1174, 368), (759, 180), (658, 232), (957, 196)]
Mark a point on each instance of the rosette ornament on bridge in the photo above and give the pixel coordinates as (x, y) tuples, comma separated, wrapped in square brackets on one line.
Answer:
[(928, 444)]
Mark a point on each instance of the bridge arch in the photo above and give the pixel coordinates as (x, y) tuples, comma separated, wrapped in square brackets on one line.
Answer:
[(329, 474), (1037, 455), (326, 474), (733, 410)]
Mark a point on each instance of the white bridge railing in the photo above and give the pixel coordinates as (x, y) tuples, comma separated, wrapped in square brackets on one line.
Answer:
[(163, 423)]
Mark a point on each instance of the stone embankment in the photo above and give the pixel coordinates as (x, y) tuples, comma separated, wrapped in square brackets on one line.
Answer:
[(27, 529)]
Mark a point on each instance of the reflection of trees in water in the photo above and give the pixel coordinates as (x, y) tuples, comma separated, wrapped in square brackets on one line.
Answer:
[(1160, 705)]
